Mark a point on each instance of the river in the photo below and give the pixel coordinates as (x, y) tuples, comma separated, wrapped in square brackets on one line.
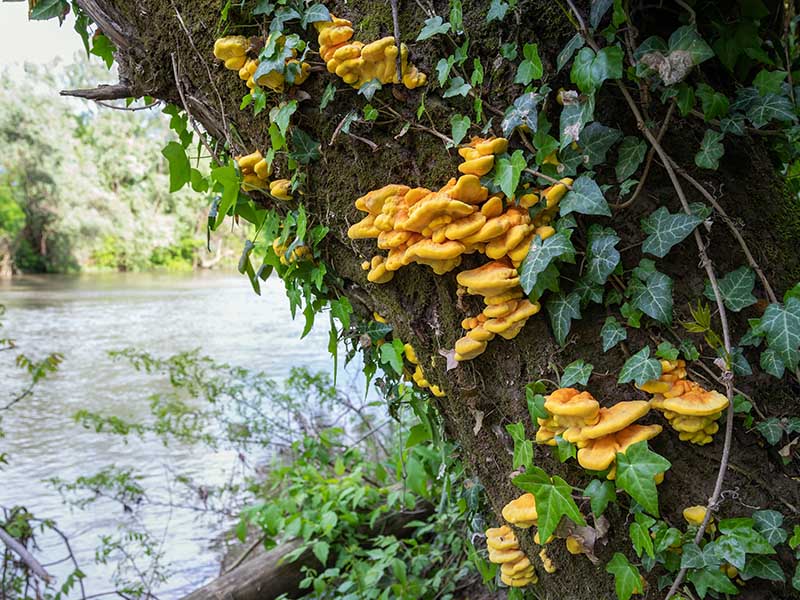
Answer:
[(84, 317)]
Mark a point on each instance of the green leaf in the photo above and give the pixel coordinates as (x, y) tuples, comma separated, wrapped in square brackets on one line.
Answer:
[(433, 26), (565, 450), (781, 324), (598, 10), (640, 537), (653, 296), (595, 141), (731, 550), (763, 568), (711, 150), (523, 447), (48, 9), (458, 87), (600, 493), (612, 333), (736, 289), (692, 556), (585, 198), (562, 310), (305, 149), (281, 115), (369, 88), (522, 112), (574, 116), (575, 43), (541, 255), (769, 523), (687, 39), (601, 253), (640, 368), (328, 521), (742, 530), (530, 68), (459, 126), (631, 154), (667, 351), (714, 103), (315, 14), (104, 48), (590, 70), (665, 229), (711, 579), (497, 11), (769, 82), (771, 429), (392, 355), (771, 107), (553, 500), (180, 169), (321, 550), (508, 171), (796, 577), (225, 176), (627, 579), (576, 372), (772, 363), (636, 469)]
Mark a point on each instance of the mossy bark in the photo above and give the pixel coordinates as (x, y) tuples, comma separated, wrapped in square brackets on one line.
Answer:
[(425, 309)]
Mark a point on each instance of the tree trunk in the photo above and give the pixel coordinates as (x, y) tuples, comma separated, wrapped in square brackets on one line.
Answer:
[(424, 308)]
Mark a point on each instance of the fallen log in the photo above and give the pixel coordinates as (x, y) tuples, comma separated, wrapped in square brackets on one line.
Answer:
[(265, 575)]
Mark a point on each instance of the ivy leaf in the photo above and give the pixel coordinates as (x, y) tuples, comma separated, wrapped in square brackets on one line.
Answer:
[(631, 154), (522, 112), (575, 43), (459, 126), (315, 14), (497, 11), (666, 229), (769, 524), (711, 150), (636, 469), (742, 529), (530, 68), (653, 296), (180, 169), (771, 430), (590, 70), (711, 579), (601, 254), (548, 280), (585, 198), (541, 255), (433, 26), (714, 103), (770, 107), (730, 549), (600, 493), (640, 368), (692, 556), (687, 39), (576, 372), (508, 171), (781, 324), (574, 117), (736, 289), (763, 568), (227, 178), (612, 333), (771, 363), (523, 448), (553, 500), (565, 450), (769, 82), (595, 141), (627, 579), (458, 87), (392, 355), (562, 309), (640, 535), (305, 149), (48, 9), (598, 10)]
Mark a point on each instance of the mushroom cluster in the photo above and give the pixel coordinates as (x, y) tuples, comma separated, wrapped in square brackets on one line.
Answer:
[(418, 377), (234, 49), (691, 410), (522, 513), (357, 63), (599, 432), (255, 176), (437, 228), (516, 569), (297, 254)]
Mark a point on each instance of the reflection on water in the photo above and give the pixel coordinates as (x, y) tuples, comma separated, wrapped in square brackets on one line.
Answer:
[(86, 316)]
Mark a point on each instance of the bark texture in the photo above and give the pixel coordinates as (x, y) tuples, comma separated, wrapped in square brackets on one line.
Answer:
[(424, 308)]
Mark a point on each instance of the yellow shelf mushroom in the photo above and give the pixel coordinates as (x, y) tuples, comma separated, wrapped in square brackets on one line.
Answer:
[(357, 63), (516, 569), (233, 51)]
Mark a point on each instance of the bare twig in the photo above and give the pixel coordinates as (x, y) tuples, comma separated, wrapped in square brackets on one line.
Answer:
[(188, 112), (245, 554), (116, 91), (396, 24), (536, 173), (129, 108), (30, 561)]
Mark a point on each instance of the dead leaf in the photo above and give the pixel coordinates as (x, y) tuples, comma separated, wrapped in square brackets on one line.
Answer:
[(478, 414), (450, 355)]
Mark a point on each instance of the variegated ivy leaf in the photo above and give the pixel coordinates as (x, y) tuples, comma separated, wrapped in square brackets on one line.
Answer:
[(666, 229), (562, 309), (585, 198), (574, 117), (653, 296), (769, 523), (736, 289), (576, 372), (640, 368), (711, 150), (771, 429), (631, 154), (781, 324), (601, 253), (540, 255), (770, 107), (522, 112), (595, 141), (771, 363), (612, 333), (763, 568)]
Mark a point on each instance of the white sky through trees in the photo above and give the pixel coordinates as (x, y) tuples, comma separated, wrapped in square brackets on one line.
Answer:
[(34, 41)]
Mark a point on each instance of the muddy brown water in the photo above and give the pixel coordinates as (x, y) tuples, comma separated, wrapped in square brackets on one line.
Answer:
[(86, 316)]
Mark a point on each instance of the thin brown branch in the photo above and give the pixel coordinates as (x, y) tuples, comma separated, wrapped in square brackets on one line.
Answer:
[(536, 173), (29, 559), (188, 112), (116, 91), (129, 108), (396, 25)]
